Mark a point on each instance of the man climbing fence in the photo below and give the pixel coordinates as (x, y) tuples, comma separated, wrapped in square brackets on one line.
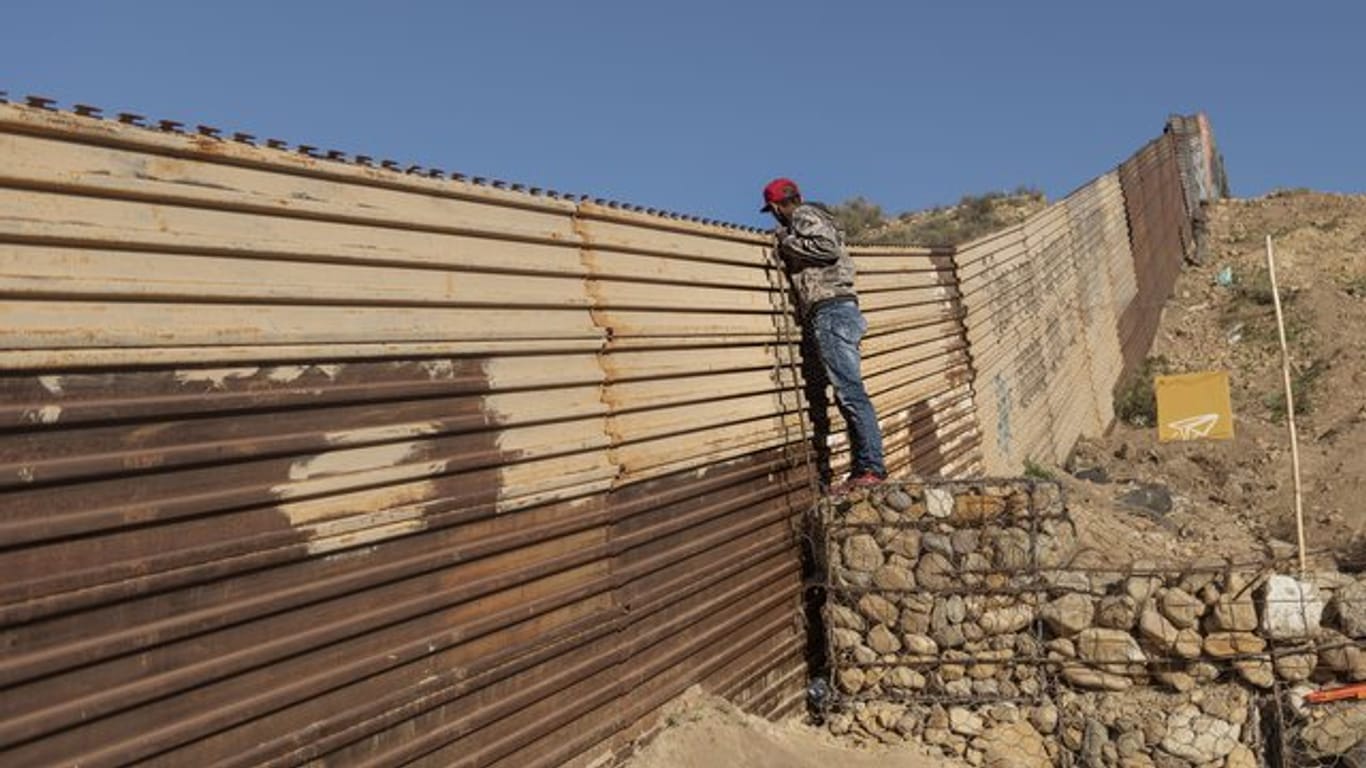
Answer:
[(822, 274)]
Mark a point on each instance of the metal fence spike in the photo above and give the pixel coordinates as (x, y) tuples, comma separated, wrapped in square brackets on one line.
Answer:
[(367, 161)]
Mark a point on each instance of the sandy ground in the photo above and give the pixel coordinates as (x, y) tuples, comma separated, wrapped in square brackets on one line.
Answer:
[(705, 732)]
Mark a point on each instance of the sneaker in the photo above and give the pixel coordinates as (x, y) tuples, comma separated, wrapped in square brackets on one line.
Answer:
[(858, 481), (865, 479)]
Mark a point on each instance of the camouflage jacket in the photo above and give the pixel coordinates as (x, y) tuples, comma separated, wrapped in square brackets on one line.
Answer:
[(812, 248)]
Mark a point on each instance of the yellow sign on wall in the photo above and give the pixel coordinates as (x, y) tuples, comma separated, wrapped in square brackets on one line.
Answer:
[(1194, 406)]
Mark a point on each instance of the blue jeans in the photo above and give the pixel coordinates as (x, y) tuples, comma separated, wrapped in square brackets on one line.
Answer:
[(830, 355)]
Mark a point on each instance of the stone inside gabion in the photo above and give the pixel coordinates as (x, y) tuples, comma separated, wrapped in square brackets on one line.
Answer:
[(952, 617)]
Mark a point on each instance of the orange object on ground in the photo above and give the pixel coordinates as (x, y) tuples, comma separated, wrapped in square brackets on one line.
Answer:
[(1355, 691)]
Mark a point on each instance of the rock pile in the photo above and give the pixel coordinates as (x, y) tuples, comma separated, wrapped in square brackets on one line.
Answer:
[(934, 592), (952, 617), (1142, 728)]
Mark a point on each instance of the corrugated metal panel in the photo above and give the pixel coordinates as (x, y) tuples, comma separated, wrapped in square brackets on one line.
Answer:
[(915, 362), (1107, 286), (1190, 158), (307, 460), (343, 537), (1160, 230), (1042, 306), (998, 284), (1201, 167), (303, 460)]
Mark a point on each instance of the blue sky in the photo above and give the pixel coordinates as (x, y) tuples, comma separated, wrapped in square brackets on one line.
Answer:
[(692, 105)]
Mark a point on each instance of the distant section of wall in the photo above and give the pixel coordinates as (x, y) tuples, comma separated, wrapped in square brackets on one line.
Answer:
[(1062, 307), (1202, 165), (1162, 238), (1043, 304)]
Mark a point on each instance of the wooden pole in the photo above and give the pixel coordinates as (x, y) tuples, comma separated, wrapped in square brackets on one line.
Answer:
[(1289, 404)]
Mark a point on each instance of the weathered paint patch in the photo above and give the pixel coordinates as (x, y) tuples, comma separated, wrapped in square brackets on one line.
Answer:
[(353, 460), (286, 374), (52, 384), (313, 511), (526, 484), (382, 434), (48, 414), (215, 377), (389, 504), (438, 369), (363, 530), (343, 470)]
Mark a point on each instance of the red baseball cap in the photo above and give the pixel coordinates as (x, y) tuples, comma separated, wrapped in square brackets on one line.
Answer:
[(779, 190)]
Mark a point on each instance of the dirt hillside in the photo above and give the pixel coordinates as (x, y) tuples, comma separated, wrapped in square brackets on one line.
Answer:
[(973, 216), (1232, 498)]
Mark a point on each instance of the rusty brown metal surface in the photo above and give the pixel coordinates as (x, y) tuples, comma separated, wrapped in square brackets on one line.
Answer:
[(306, 459), (1160, 232), (915, 361)]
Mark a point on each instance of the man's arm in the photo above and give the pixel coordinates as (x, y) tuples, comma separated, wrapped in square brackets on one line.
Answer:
[(810, 240)]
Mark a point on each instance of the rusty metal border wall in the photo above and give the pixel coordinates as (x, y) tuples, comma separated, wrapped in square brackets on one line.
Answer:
[(1060, 309), (1162, 236), (307, 458), (1043, 301)]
